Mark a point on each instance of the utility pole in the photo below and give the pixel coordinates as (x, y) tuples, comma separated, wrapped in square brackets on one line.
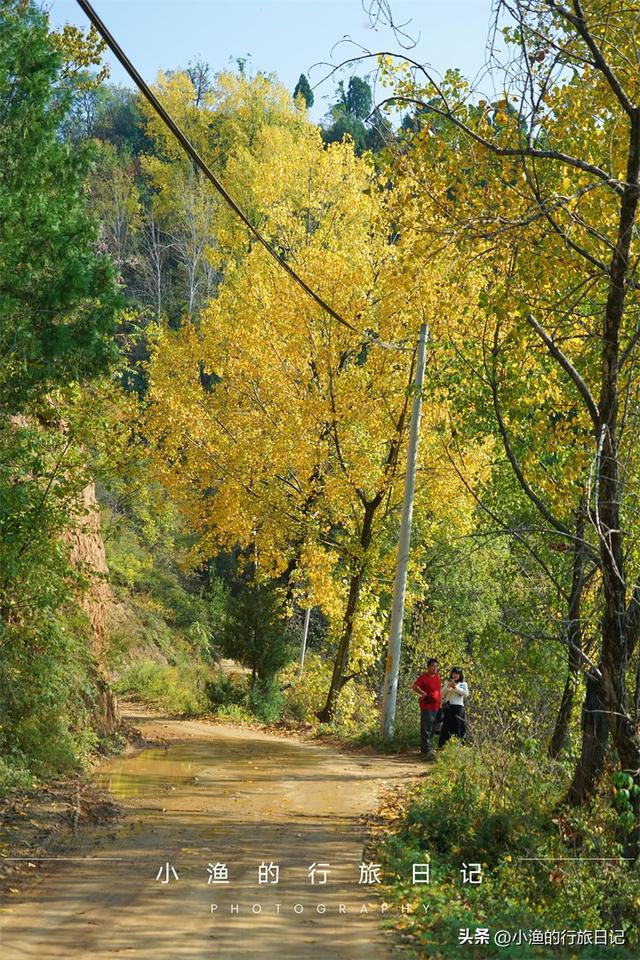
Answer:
[(305, 631), (392, 666)]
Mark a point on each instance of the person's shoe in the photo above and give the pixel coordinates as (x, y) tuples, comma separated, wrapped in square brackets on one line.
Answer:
[(431, 755)]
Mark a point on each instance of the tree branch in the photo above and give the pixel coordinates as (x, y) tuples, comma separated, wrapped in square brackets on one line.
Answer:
[(578, 21), (569, 368), (522, 151), (632, 632), (533, 496)]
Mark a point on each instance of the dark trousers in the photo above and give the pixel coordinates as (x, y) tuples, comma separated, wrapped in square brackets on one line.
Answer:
[(427, 720), (453, 724)]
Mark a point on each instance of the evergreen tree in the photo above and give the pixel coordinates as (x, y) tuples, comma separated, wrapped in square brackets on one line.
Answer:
[(303, 89), (256, 632), (348, 118), (358, 98), (57, 295)]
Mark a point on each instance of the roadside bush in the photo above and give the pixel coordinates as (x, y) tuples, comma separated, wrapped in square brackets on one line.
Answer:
[(266, 700), (178, 689), (496, 808), (235, 713), (45, 698), (236, 696), (227, 689), (14, 776), (304, 696)]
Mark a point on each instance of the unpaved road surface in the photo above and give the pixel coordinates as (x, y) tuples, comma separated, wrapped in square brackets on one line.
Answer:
[(211, 795)]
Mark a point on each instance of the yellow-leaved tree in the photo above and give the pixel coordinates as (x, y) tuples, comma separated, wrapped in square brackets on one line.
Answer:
[(278, 428), (543, 183), (221, 118)]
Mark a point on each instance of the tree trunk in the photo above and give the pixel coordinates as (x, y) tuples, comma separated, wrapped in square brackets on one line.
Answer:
[(595, 734), (339, 678), (103, 705), (561, 730), (573, 630), (615, 641)]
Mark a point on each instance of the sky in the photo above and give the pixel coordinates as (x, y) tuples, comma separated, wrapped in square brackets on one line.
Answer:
[(284, 36)]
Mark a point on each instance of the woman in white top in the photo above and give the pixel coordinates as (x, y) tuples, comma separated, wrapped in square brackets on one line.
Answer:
[(454, 691)]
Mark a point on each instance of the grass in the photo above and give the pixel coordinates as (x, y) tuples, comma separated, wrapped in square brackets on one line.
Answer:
[(494, 806)]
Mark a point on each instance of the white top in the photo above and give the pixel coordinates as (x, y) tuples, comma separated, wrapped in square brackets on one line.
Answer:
[(456, 694)]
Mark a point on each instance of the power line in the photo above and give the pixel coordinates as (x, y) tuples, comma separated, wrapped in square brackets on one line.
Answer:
[(189, 149)]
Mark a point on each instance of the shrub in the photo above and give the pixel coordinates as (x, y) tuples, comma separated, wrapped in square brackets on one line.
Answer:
[(235, 713), (227, 689), (178, 689), (236, 696), (45, 697), (266, 700), (14, 776), (495, 808), (304, 696)]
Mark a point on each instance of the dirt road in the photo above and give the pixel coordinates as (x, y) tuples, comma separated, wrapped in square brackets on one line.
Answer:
[(215, 795)]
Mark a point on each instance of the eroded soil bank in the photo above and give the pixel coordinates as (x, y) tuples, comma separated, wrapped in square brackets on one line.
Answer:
[(209, 794)]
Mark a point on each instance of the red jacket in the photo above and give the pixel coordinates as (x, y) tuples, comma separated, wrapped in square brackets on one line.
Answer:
[(432, 685)]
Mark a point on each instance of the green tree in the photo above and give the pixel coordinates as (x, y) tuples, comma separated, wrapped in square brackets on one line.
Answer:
[(57, 295), (256, 632), (118, 120), (303, 89), (346, 125), (358, 98), (348, 118), (58, 303)]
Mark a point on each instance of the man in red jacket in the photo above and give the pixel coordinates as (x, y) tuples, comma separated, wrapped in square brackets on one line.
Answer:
[(428, 686)]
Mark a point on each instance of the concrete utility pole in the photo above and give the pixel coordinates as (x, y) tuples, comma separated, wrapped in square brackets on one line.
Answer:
[(392, 666), (305, 631)]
